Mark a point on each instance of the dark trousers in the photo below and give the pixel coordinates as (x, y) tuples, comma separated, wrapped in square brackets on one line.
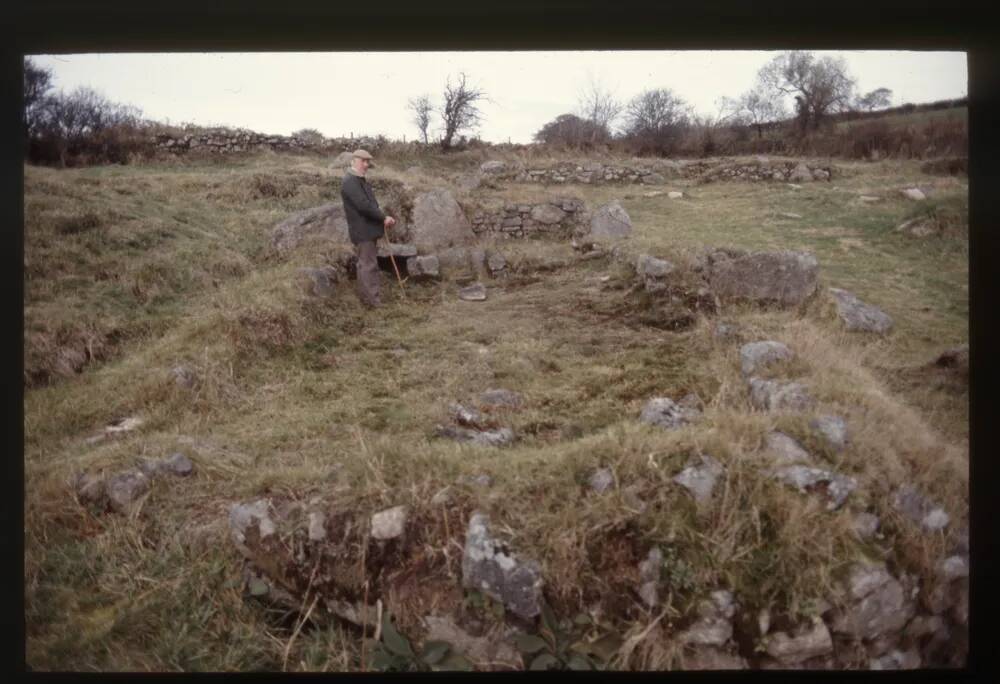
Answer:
[(368, 275)]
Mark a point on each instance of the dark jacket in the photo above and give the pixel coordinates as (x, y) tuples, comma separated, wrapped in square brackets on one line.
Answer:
[(365, 221)]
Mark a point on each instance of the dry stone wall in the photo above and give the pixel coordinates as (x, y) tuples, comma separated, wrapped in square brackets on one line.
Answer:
[(221, 141), (556, 216), (658, 171)]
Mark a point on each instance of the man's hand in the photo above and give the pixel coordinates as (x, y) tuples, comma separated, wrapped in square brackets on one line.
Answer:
[(389, 222)]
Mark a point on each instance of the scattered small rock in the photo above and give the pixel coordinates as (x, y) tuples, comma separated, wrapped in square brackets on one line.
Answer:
[(756, 355), (869, 198), (501, 398), (897, 660), (790, 215), (772, 395), (675, 194), (319, 282), (865, 525), (808, 641), (918, 509), (124, 490), (243, 516), (649, 577), (498, 437), (390, 523), (468, 417), (714, 626), (878, 604), (473, 293), (441, 497), (184, 377), (726, 331), (665, 413), (317, 526), (784, 451), (699, 478), (602, 480), (428, 267), (481, 480), (954, 567), (913, 194), (832, 429), (858, 316), (836, 488)]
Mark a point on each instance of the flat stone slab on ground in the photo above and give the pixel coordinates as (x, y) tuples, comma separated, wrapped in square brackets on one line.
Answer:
[(785, 451), (785, 278), (473, 293)]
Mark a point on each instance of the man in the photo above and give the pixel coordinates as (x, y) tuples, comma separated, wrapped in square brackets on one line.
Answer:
[(366, 223)]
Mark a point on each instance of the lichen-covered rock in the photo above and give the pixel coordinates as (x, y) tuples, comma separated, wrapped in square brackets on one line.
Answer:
[(908, 501), (468, 417), (439, 222), (831, 429), (858, 316), (423, 267), (243, 517), (501, 398), (773, 395), (488, 566), (498, 437), (877, 606), (699, 477), (125, 489), (897, 660), (757, 355), (602, 480), (784, 278), (865, 525), (714, 626), (808, 641), (649, 577), (389, 524), (835, 488), (652, 272), (610, 221), (783, 450), (184, 377), (473, 293), (665, 413)]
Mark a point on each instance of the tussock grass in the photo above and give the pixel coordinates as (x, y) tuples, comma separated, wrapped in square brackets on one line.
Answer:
[(298, 397)]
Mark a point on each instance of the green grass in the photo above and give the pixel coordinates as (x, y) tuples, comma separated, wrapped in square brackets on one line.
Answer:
[(300, 398)]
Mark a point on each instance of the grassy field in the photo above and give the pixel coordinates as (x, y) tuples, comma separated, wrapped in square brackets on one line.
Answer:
[(150, 267)]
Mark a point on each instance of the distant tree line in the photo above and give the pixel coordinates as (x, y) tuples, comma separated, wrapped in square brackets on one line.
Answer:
[(79, 127)]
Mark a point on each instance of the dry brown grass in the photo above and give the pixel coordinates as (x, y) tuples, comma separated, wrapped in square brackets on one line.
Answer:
[(299, 397)]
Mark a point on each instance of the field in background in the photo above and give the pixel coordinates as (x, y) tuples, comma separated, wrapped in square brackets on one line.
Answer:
[(158, 265)]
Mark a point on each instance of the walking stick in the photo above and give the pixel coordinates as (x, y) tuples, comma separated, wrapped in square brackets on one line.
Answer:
[(392, 258)]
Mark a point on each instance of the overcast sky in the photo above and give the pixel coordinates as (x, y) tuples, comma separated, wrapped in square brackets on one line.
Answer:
[(366, 93)]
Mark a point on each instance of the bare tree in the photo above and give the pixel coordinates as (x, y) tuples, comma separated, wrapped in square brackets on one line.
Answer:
[(820, 85), (460, 111), (422, 109), (600, 107), (655, 119), (37, 83), (756, 107), (876, 99)]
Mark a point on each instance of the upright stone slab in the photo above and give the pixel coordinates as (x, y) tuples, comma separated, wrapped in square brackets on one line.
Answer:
[(784, 278), (439, 222), (489, 567), (610, 221)]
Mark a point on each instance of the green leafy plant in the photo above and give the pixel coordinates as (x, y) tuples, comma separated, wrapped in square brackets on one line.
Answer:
[(394, 653), (561, 645)]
